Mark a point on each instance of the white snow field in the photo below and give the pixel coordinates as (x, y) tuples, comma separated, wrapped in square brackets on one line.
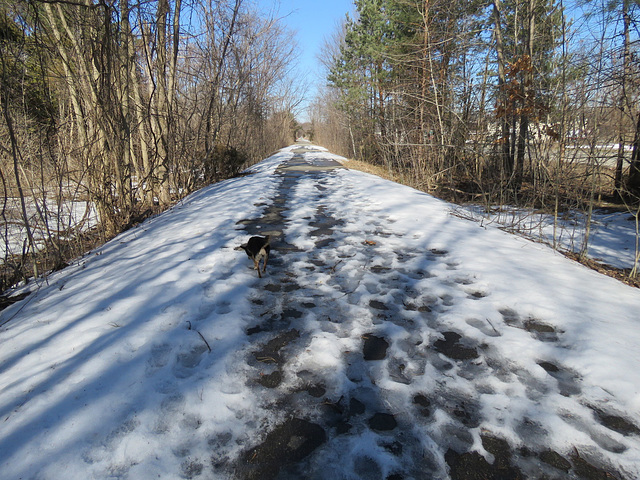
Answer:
[(388, 339)]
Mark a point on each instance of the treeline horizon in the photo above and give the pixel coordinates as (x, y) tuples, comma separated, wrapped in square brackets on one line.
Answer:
[(528, 102)]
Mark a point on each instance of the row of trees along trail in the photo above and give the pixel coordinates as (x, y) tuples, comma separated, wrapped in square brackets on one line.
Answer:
[(521, 102), (113, 109)]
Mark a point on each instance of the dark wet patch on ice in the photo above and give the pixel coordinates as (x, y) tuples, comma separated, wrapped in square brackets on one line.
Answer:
[(473, 466), (615, 422), (395, 476), (324, 224), (382, 422), (423, 404), (254, 330), (417, 308), (549, 367), (542, 331), (378, 305), (452, 347), (477, 295), (374, 348), (270, 352), (467, 414), (289, 442), (271, 380), (356, 407), (291, 313), (325, 242), (404, 257), (310, 384), (322, 230), (289, 286), (420, 274), (555, 460), (272, 287), (316, 391), (585, 470), (380, 269)]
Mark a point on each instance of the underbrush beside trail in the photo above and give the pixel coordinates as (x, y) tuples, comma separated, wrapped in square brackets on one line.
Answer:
[(536, 224)]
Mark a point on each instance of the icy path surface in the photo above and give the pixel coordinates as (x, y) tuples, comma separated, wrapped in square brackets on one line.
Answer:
[(387, 340)]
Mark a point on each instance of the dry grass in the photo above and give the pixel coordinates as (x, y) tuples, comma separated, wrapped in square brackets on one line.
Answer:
[(374, 170)]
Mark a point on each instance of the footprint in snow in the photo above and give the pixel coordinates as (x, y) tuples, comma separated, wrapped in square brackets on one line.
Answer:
[(188, 360), (485, 326), (568, 381)]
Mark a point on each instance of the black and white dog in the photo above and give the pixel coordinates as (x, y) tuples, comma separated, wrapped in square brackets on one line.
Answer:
[(257, 248)]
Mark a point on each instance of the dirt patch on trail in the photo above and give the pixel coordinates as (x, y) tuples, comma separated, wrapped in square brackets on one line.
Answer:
[(288, 443)]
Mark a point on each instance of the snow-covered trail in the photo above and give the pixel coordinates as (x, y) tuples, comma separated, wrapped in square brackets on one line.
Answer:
[(388, 340)]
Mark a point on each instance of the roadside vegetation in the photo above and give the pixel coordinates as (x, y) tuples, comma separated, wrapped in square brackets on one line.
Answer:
[(113, 110), (508, 104)]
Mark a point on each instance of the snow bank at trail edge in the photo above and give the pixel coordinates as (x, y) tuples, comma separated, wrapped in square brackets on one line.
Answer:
[(103, 349), (105, 371)]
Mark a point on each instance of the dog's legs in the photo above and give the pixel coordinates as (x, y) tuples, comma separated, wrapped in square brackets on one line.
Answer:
[(266, 259), (256, 266)]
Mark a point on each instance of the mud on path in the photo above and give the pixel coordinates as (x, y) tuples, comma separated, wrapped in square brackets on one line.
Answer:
[(320, 359)]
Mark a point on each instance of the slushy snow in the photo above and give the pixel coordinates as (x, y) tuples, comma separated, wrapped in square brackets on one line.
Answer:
[(139, 360)]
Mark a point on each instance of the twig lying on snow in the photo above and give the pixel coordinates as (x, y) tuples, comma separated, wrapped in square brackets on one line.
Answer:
[(333, 269), (494, 328), (201, 336), (205, 341)]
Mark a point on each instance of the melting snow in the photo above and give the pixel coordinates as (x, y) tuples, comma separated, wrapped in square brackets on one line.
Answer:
[(162, 355)]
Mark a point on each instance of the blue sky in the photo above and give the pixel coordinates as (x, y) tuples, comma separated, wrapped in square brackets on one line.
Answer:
[(313, 20)]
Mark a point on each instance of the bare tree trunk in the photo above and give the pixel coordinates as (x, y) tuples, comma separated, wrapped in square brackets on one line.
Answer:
[(623, 102), (526, 95), (633, 182), (506, 163), (162, 103)]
